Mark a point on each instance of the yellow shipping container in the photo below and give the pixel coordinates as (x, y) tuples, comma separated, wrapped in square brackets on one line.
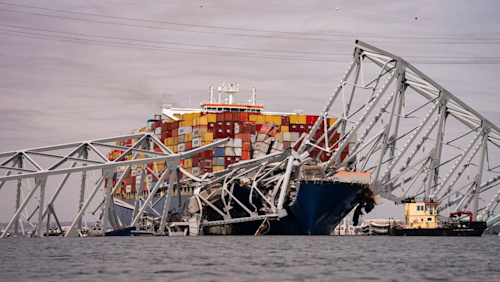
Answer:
[(269, 118), (175, 150), (188, 137), (187, 117), (196, 115), (117, 143), (302, 119), (261, 119), (277, 120), (196, 121), (211, 117), (188, 163), (294, 119), (253, 118), (181, 123), (207, 136), (188, 170), (203, 120), (159, 166), (217, 168), (171, 147), (144, 129), (285, 128), (203, 143), (332, 121)]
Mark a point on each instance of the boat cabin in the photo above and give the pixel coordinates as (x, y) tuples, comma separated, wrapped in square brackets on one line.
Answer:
[(421, 215)]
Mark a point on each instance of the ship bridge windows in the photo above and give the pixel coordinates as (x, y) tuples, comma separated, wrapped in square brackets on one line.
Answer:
[(429, 219)]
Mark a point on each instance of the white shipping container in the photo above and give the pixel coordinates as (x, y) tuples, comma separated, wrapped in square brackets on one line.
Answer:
[(139, 172), (229, 151), (181, 147), (185, 130), (196, 132), (134, 166), (287, 136), (158, 131), (128, 188), (180, 139), (133, 173), (295, 136), (149, 178), (279, 146), (253, 138), (237, 152), (238, 142), (196, 142), (219, 161), (236, 128), (230, 143), (195, 171), (261, 137)]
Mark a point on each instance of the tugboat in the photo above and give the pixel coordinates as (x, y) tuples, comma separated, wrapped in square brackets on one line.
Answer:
[(422, 220)]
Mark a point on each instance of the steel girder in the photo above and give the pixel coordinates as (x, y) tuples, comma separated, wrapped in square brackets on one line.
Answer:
[(414, 136), (37, 170)]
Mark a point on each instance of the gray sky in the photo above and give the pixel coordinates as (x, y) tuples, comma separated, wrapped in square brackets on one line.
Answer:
[(77, 70)]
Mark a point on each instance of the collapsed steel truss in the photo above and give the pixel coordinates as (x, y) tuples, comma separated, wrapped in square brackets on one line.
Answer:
[(413, 136), (33, 169)]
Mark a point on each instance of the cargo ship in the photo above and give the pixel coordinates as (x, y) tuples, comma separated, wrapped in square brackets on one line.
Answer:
[(421, 219), (318, 204)]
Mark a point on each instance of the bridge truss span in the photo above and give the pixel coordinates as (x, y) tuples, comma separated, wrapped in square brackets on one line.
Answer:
[(415, 137)]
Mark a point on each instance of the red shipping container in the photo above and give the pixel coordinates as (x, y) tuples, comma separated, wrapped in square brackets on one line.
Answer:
[(228, 132), (294, 128), (175, 132), (235, 116), (265, 129), (245, 137), (243, 117), (228, 116), (228, 124), (309, 127), (206, 154), (245, 155), (206, 164), (287, 145), (311, 119), (219, 117), (196, 162), (302, 128), (211, 127), (175, 124), (188, 146), (166, 126), (285, 120), (246, 146)]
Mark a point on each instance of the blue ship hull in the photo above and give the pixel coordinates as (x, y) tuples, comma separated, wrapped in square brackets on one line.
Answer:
[(319, 208)]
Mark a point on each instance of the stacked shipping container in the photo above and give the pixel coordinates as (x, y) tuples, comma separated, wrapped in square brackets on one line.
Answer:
[(251, 136)]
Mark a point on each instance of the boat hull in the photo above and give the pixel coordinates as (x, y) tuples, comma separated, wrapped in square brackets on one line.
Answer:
[(318, 208), (475, 228)]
